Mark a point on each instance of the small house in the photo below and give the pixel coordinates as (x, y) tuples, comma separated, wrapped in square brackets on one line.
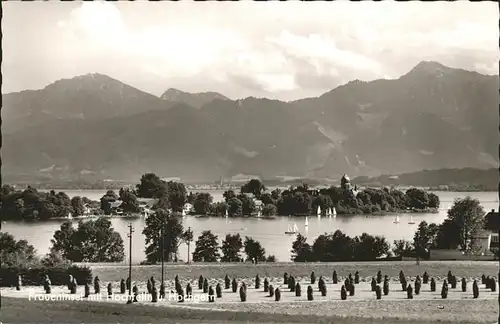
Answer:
[(115, 207)]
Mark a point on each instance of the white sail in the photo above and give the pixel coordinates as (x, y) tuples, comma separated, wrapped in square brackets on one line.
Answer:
[(306, 222), (334, 212), (289, 228), (319, 211), (227, 213), (396, 220), (330, 212), (70, 216), (411, 220), (259, 214), (295, 228)]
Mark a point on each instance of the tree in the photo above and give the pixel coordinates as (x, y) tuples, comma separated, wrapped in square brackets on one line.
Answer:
[(254, 250), (93, 241), (55, 259), (202, 202), (130, 204), (402, 248), (207, 248), (301, 250), (106, 201), (235, 207), (448, 236), (172, 230), (333, 247), (323, 201), (247, 204), (267, 199), (16, 253), (425, 238), (419, 199), (151, 186), (231, 248), (369, 248), (269, 210), (77, 205), (187, 238), (433, 200), (228, 195), (218, 208), (466, 215), (254, 186), (177, 195)]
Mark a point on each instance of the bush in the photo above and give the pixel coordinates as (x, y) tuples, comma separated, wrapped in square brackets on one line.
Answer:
[(234, 285), (257, 282), (351, 289), (418, 285), (313, 278), (453, 282), (404, 286), (211, 294), (36, 276), (356, 278), (335, 277), (444, 290), (409, 292), (464, 285), (433, 285), (386, 288), (379, 276), (218, 290), (285, 279), (291, 284), (200, 282), (475, 289), (378, 292), (271, 291), (189, 290), (205, 286), (493, 284), (373, 284), (343, 293), (425, 278), (277, 294), (266, 285), (227, 282), (310, 293), (298, 290)]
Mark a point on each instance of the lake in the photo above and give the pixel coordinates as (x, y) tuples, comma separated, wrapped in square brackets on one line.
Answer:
[(269, 232)]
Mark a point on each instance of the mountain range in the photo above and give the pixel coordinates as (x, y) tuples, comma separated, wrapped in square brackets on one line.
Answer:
[(93, 126)]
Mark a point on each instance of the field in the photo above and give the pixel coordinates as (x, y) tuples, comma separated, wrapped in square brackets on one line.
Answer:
[(427, 307), (245, 270)]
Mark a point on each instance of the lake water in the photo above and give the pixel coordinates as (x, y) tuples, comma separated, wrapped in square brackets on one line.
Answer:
[(269, 232)]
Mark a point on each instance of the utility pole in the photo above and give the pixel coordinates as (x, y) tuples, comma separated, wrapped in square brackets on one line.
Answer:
[(131, 230), (189, 243), (162, 249)]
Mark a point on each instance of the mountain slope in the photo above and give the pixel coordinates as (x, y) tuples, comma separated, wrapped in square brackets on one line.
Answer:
[(86, 97), (196, 100)]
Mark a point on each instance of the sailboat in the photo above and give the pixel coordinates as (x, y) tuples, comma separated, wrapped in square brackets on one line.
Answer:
[(292, 230), (259, 214), (334, 212), (227, 214), (396, 220), (411, 220), (329, 212), (319, 211), (70, 216), (306, 223)]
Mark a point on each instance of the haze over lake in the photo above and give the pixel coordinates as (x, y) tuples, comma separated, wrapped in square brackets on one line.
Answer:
[(269, 232)]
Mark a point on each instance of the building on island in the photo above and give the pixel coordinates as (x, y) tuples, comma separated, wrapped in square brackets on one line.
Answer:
[(491, 225)]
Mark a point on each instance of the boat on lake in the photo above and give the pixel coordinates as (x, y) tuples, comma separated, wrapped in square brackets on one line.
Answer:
[(396, 219), (292, 229), (411, 220)]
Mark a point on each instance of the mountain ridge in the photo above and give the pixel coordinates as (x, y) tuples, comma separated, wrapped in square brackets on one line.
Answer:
[(418, 121)]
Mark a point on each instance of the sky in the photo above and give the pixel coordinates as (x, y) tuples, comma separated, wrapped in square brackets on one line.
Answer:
[(280, 50)]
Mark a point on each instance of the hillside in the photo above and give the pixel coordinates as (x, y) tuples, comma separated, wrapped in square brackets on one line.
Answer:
[(456, 179), (96, 127)]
